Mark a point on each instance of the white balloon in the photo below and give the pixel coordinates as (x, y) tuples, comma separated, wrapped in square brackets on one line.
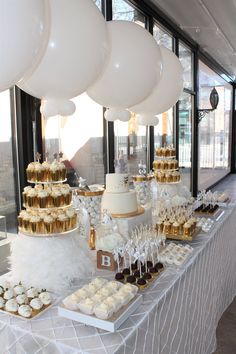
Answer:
[(76, 51), (133, 68), (66, 108), (144, 119), (24, 32), (113, 114), (49, 108), (167, 92)]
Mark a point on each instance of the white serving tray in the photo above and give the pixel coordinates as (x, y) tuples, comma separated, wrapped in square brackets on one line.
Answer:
[(110, 325)]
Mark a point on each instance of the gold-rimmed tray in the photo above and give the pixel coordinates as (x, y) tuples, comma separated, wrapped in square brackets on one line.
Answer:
[(170, 183), (138, 212), (47, 208), (56, 234), (184, 237), (48, 182)]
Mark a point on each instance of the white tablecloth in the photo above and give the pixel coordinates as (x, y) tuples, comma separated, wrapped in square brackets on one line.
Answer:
[(179, 314)]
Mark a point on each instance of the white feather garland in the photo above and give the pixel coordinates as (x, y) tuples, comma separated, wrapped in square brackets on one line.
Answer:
[(50, 262)]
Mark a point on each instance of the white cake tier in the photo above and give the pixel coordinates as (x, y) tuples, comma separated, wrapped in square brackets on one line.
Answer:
[(117, 182), (120, 203)]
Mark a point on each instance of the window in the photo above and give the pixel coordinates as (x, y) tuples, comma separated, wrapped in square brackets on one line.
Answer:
[(80, 138), (186, 59), (185, 115), (163, 132), (162, 37), (130, 138), (185, 137), (121, 10), (7, 168), (214, 129)]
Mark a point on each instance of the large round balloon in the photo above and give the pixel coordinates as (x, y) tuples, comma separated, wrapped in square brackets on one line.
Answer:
[(133, 68), (24, 31), (145, 119), (76, 51), (168, 90), (113, 114)]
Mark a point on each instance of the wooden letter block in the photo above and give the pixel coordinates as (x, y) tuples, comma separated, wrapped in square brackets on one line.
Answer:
[(106, 261)]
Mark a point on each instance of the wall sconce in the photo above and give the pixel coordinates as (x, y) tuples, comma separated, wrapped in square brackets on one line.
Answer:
[(214, 100)]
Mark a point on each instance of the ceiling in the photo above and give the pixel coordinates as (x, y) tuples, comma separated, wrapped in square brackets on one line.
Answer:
[(211, 23)]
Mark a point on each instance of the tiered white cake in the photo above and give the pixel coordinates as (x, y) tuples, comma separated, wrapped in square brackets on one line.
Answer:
[(117, 198)]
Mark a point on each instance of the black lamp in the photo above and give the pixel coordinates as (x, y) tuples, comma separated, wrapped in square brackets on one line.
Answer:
[(214, 100)]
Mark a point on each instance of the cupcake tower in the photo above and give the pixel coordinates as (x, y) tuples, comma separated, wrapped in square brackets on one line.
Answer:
[(48, 204), (166, 166)]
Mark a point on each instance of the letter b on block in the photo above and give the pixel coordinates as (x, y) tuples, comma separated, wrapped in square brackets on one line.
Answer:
[(106, 261)]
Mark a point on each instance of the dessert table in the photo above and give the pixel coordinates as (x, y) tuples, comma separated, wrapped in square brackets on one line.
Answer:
[(179, 314)]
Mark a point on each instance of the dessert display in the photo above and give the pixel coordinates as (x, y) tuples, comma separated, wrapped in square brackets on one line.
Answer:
[(207, 203), (23, 302), (140, 258), (117, 197), (47, 196), (54, 171), (46, 222), (175, 254), (166, 166), (48, 208), (177, 222), (168, 151), (101, 298)]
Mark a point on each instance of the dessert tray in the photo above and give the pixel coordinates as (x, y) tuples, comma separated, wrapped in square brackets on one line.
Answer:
[(47, 235), (47, 182), (182, 237), (205, 212), (111, 324), (163, 183), (140, 211), (25, 304)]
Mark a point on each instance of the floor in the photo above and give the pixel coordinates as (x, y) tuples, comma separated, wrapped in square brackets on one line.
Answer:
[(226, 330)]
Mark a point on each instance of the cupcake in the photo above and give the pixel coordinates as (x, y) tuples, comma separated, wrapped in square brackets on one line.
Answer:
[(87, 306), (32, 198), (8, 294), (25, 194), (103, 311), (187, 229), (45, 297), (62, 223), (56, 198), (175, 228), (43, 199), (11, 306), (46, 171), (49, 224), (120, 277), (36, 304), (22, 299), (72, 218), (30, 172), (32, 292), (62, 171), (167, 228), (141, 283), (70, 303), (38, 172), (54, 172), (25, 311), (35, 224)]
